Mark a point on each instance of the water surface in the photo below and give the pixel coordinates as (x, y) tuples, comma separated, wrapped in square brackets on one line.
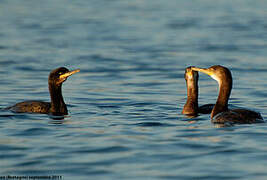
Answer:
[(124, 106)]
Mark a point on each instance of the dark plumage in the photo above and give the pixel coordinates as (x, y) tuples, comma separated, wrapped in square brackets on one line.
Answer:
[(57, 105), (191, 106), (220, 113)]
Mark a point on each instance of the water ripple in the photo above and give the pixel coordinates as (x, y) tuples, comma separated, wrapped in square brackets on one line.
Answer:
[(125, 105)]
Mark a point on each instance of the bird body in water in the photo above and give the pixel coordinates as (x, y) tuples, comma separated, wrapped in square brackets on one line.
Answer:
[(191, 107), (57, 105), (220, 113)]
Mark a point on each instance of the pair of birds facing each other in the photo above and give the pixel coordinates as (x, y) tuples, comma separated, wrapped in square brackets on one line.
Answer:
[(57, 105), (220, 114)]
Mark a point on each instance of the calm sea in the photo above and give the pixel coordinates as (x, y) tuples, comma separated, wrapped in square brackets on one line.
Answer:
[(125, 105)]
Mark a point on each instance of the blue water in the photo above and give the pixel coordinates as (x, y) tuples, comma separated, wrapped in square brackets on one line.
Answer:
[(124, 106)]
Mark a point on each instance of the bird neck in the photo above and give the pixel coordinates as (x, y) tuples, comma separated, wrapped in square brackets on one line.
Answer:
[(221, 105), (58, 106), (191, 105)]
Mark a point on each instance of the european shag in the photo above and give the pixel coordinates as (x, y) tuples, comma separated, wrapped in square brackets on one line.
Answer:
[(220, 113), (191, 107), (57, 105)]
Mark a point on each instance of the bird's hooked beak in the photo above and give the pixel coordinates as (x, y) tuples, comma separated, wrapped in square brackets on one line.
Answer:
[(190, 74), (207, 71), (67, 74), (64, 76)]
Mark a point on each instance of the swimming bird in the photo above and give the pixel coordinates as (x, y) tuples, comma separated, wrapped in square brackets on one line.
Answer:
[(191, 106), (220, 113), (57, 105)]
